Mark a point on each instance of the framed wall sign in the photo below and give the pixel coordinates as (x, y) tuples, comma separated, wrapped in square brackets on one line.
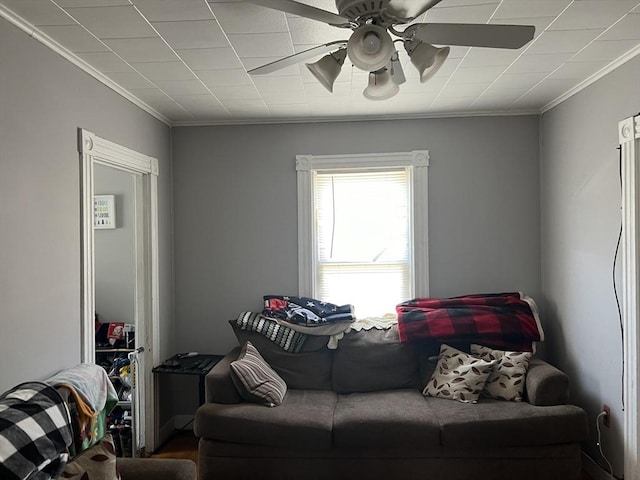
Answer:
[(104, 211)]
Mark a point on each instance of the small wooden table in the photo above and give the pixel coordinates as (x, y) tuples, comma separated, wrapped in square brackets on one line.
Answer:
[(181, 364)]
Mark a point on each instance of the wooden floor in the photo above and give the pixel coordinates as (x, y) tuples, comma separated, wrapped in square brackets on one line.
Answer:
[(184, 444)]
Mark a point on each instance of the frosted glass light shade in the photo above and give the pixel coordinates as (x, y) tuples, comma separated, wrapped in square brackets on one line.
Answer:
[(381, 86), (426, 58), (327, 69), (370, 47)]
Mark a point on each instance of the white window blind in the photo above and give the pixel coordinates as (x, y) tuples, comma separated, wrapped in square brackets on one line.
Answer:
[(363, 241)]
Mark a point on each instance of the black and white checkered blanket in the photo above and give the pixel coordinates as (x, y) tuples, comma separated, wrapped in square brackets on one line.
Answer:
[(35, 431), (285, 337)]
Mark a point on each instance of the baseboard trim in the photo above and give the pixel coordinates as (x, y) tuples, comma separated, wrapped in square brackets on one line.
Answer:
[(595, 471)]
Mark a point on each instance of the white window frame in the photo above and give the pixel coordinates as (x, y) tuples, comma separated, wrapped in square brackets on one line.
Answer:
[(417, 160)]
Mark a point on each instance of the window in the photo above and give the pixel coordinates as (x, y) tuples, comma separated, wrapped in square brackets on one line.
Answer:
[(362, 228)]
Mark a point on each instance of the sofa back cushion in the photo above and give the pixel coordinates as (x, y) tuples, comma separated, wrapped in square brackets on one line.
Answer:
[(371, 360), (308, 369)]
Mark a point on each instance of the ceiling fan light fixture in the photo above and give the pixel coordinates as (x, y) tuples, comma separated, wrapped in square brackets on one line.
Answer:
[(327, 69), (426, 58), (370, 47), (381, 86)]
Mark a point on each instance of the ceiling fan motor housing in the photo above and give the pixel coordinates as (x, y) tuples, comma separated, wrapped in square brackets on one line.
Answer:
[(359, 8)]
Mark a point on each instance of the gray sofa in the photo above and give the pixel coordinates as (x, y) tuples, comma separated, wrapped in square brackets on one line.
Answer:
[(358, 412)]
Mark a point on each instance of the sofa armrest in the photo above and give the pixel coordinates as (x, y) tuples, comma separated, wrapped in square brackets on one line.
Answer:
[(156, 469), (219, 387), (546, 385)]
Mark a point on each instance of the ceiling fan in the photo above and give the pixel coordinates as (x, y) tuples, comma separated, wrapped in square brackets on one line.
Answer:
[(372, 49)]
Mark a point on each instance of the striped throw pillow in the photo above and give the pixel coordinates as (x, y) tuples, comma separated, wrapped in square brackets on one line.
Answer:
[(255, 380)]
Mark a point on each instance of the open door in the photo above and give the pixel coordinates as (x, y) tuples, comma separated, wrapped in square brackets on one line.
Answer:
[(96, 154)]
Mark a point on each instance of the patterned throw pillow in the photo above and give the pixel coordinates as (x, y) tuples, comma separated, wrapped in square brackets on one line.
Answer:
[(97, 463), (458, 376), (255, 380), (506, 381)]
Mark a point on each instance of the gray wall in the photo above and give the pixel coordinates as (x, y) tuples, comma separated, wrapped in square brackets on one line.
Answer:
[(43, 100), (114, 248), (236, 215), (580, 221)]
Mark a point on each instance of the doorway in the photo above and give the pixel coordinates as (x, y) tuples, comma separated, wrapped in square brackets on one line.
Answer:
[(132, 177), (629, 139)]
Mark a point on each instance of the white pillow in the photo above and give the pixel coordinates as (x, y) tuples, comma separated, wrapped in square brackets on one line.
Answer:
[(458, 376), (506, 381)]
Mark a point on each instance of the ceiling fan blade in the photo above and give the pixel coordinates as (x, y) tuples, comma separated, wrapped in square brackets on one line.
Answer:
[(472, 35), (297, 58), (303, 10), (406, 10)]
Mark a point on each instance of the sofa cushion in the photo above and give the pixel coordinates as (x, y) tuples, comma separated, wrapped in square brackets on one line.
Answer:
[(309, 369), (255, 379), (497, 423), (458, 376), (373, 360), (507, 379), (389, 419), (303, 420)]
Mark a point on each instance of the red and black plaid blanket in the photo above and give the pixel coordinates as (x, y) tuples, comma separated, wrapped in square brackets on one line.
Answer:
[(506, 321)]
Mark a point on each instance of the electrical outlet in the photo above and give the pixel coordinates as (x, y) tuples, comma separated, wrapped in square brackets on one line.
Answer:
[(606, 421)]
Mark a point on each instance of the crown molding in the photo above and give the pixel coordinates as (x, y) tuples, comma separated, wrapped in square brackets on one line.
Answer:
[(592, 79), (49, 42)]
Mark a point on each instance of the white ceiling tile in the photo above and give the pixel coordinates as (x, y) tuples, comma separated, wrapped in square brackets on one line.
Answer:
[(173, 10), (591, 14), (495, 93), (256, 106), (141, 49), (432, 85), (487, 57), (91, 3), (464, 89), (284, 98), (453, 104), (192, 34), (105, 61), (130, 80), (210, 58), (222, 78), (457, 52), (604, 51), (271, 84), (113, 22), (262, 45), (577, 70), (539, 62), (461, 14), (74, 38), (164, 70), (309, 32), (340, 89), (476, 74), (295, 110), (148, 95), (242, 92), (562, 41), (238, 17), (39, 13), (536, 8), (182, 87), (546, 92), (523, 81), (197, 102), (170, 109), (626, 29)]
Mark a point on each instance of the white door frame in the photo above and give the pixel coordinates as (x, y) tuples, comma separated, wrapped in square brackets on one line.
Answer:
[(95, 150), (629, 137)]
